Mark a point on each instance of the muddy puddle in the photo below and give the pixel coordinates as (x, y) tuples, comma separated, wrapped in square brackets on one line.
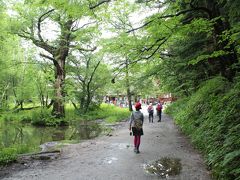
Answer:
[(164, 167)]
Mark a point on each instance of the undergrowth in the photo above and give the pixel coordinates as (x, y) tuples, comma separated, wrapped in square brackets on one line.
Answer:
[(211, 117), (10, 154), (43, 117)]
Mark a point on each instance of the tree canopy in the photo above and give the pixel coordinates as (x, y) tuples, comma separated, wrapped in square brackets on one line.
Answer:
[(62, 52)]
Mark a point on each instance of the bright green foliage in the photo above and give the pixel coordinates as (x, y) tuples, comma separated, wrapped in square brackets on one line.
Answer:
[(211, 118), (190, 48), (43, 117), (7, 155), (22, 116), (203, 71), (10, 154), (92, 77), (109, 112)]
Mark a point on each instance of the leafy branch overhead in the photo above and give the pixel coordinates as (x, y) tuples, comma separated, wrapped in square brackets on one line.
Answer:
[(67, 52)]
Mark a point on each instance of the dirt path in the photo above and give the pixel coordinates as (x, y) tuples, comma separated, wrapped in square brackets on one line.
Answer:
[(112, 158)]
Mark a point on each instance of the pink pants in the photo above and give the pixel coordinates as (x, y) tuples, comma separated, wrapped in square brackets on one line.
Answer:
[(137, 141)]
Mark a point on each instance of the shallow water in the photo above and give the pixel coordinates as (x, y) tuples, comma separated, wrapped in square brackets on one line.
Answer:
[(164, 167), (31, 137)]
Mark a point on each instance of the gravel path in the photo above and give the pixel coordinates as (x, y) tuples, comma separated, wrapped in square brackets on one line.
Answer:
[(112, 158)]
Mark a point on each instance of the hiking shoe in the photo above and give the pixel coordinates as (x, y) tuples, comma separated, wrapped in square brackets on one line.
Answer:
[(137, 152)]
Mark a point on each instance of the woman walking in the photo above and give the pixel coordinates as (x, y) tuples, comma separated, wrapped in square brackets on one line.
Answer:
[(150, 113), (136, 122)]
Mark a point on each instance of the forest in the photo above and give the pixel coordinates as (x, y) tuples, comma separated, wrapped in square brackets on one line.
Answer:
[(60, 58)]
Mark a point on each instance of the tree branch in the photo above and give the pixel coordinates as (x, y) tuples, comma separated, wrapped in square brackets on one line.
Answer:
[(40, 20), (95, 68), (38, 41), (79, 77), (147, 49), (83, 49), (145, 24), (159, 45), (74, 30), (152, 54), (99, 3), (43, 45), (166, 16), (46, 56), (201, 9), (24, 36)]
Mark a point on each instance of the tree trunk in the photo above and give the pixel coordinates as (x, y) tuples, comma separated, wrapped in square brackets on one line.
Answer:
[(21, 104), (58, 105), (128, 89), (129, 99), (46, 101), (82, 97), (89, 98), (60, 56)]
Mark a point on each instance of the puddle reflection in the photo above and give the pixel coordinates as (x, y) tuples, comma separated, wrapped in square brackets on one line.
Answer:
[(164, 167), (31, 137)]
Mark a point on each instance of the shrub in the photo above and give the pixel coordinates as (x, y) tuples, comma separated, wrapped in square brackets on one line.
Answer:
[(43, 117), (211, 117), (7, 155), (17, 116)]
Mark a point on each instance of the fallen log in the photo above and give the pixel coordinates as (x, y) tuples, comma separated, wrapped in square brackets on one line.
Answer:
[(47, 155)]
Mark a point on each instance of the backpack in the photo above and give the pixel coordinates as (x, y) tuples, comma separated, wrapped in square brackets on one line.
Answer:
[(138, 124), (150, 109), (159, 107)]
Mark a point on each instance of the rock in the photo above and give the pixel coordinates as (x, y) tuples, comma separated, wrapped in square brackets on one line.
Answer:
[(49, 146)]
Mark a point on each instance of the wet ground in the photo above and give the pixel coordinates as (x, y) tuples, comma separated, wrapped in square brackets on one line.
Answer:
[(164, 154)]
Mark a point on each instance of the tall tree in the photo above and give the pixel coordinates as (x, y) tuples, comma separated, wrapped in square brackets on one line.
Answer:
[(67, 18)]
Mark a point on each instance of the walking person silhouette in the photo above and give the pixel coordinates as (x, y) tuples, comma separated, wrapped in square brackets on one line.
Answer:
[(136, 123), (150, 113)]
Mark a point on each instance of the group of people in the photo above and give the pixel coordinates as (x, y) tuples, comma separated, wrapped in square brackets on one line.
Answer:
[(151, 112), (136, 122)]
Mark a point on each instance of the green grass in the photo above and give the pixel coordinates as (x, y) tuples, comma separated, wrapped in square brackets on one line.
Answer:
[(109, 112), (7, 155), (43, 117), (10, 154), (24, 116)]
